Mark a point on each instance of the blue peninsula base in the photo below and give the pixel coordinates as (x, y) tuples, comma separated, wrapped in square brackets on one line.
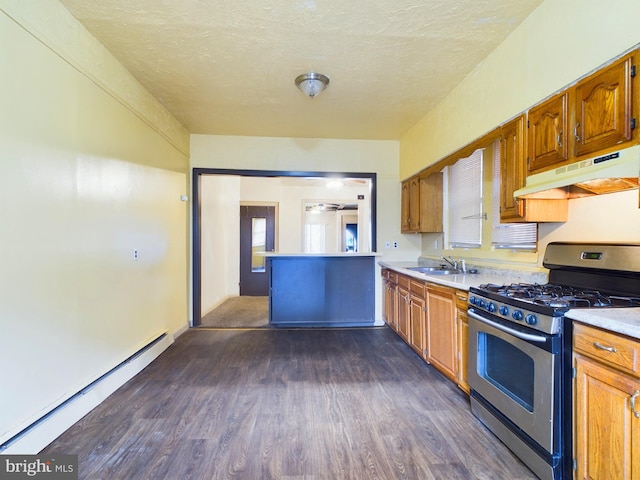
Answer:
[(321, 291)]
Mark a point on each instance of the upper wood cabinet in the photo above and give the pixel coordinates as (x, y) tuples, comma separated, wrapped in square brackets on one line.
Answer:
[(405, 212), (410, 208), (512, 167), (547, 133), (595, 115), (421, 207), (431, 203), (513, 174), (603, 107)]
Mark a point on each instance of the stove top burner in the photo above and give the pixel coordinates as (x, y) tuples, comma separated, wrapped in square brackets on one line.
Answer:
[(560, 296)]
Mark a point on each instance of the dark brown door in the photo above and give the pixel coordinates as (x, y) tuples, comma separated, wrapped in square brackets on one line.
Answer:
[(257, 235)]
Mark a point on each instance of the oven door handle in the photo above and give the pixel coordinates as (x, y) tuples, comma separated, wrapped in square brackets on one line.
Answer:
[(524, 336)]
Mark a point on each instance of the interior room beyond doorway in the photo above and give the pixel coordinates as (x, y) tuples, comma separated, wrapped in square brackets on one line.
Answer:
[(219, 194)]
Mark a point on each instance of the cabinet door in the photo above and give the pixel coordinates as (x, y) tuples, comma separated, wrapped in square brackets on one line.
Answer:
[(389, 307), (463, 348), (410, 206), (405, 213), (431, 203), (441, 327), (547, 134), (607, 443), (404, 303), (414, 204), (603, 108), (512, 168), (463, 340), (418, 325)]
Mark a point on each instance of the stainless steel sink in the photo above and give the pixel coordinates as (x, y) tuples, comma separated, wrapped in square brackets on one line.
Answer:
[(435, 270)]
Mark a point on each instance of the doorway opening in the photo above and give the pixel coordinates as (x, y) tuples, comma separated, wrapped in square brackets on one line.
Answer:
[(217, 195), (257, 237)]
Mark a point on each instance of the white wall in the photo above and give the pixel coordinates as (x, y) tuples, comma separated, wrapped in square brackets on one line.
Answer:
[(220, 246), (323, 155), (85, 179)]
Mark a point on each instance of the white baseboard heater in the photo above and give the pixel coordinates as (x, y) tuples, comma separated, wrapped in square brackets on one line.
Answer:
[(51, 425)]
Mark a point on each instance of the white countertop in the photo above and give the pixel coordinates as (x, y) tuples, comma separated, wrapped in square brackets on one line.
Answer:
[(337, 254), (464, 281), (620, 320)]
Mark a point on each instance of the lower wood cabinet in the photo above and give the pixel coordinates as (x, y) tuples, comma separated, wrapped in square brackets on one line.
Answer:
[(432, 319), (462, 321), (389, 298), (404, 308), (442, 346), (606, 404), (417, 317)]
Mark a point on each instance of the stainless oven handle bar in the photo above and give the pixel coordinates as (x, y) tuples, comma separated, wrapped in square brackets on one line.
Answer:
[(510, 331)]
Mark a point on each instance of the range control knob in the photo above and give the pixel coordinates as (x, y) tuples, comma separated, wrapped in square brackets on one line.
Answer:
[(517, 315), (472, 300), (531, 319), (504, 310), (491, 307), (480, 303)]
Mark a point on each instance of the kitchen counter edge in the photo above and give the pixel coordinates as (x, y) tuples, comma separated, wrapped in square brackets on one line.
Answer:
[(625, 321), (462, 281), (312, 255)]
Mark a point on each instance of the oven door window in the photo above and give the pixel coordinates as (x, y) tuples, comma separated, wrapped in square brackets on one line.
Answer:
[(508, 368)]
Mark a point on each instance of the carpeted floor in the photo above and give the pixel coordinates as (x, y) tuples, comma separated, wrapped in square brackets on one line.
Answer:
[(239, 312)]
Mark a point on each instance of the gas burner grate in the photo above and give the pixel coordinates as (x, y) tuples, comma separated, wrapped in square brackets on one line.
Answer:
[(560, 296)]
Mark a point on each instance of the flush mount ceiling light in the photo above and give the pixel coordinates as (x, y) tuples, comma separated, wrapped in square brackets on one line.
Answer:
[(311, 84)]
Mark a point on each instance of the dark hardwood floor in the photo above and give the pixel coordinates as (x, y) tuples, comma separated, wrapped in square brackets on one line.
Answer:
[(287, 404)]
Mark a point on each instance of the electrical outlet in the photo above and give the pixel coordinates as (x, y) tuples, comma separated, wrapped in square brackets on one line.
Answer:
[(135, 254), (387, 245), (395, 244)]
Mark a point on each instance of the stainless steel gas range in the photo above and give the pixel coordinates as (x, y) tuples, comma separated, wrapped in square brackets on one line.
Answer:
[(520, 347)]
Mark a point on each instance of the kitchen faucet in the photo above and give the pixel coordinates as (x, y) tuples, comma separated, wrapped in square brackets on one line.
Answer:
[(451, 262)]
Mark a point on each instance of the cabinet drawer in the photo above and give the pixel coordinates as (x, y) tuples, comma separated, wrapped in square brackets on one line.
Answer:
[(462, 298), (417, 288), (612, 349), (389, 275), (442, 289)]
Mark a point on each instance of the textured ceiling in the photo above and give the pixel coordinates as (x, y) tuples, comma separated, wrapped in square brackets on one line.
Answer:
[(228, 66)]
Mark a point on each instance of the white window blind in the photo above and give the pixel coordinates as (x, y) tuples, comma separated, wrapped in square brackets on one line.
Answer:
[(465, 202), (508, 235)]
